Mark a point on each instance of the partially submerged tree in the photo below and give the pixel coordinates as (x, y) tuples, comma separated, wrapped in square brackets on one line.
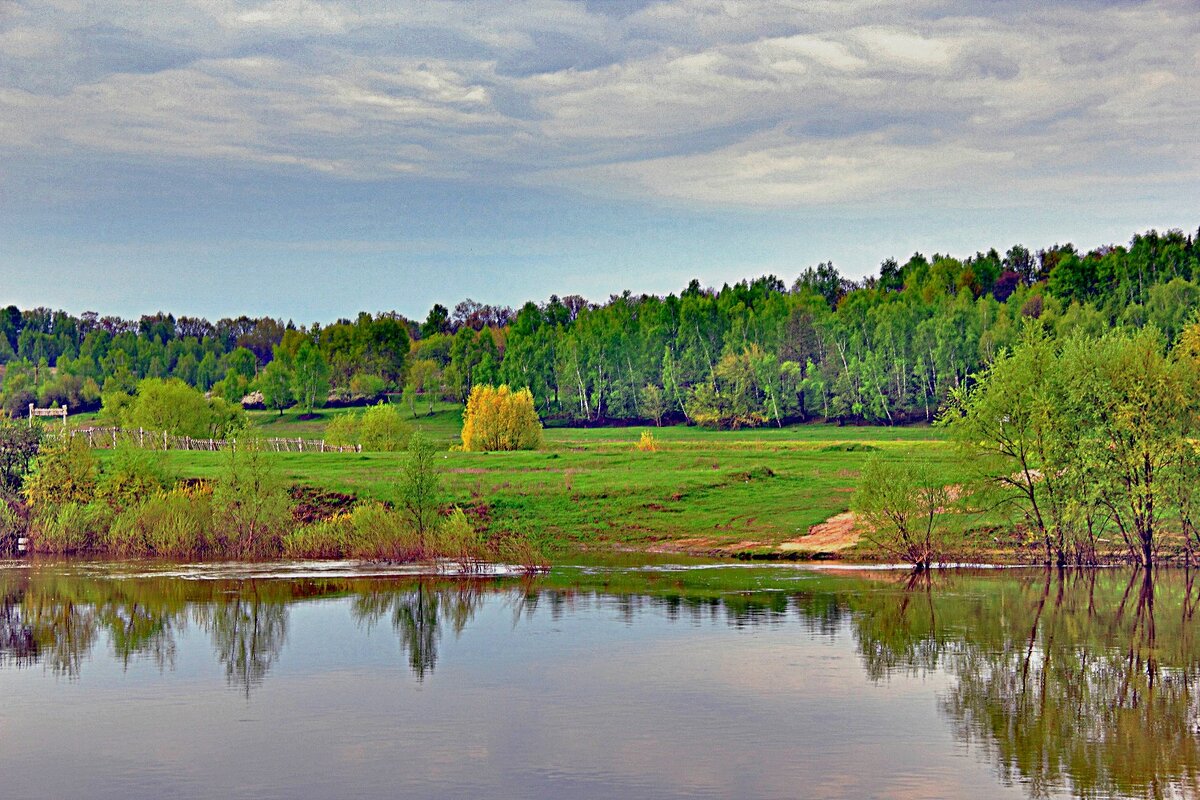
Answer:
[(1131, 403), (899, 503), (1012, 429), (1096, 432)]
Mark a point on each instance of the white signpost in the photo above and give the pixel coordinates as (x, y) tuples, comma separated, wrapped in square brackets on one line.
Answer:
[(47, 412)]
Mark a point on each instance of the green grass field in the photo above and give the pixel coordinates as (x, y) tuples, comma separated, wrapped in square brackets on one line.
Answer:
[(703, 491)]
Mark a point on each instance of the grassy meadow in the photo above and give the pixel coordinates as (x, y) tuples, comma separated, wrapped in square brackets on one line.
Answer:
[(703, 491)]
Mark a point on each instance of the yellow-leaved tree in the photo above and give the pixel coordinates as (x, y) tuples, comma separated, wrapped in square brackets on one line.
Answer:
[(497, 418)]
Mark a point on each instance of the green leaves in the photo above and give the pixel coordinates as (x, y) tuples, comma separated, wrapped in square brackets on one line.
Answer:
[(1084, 435), (310, 377)]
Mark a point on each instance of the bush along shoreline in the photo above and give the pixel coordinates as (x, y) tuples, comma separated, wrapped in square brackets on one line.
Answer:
[(58, 497)]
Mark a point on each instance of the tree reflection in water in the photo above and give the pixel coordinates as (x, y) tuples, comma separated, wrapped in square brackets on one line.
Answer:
[(248, 633), (1074, 681), (419, 615)]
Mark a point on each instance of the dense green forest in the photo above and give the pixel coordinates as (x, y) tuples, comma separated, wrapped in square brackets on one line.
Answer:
[(889, 348)]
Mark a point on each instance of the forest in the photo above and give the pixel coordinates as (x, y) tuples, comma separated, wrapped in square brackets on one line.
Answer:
[(887, 349)]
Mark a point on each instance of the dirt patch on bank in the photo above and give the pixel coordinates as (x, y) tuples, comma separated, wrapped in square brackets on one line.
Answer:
[(839, 532)]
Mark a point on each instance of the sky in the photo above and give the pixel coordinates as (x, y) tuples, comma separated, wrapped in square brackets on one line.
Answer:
[(309, 160)]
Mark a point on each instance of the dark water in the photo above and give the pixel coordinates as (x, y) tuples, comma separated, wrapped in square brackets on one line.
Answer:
[(731, 682)]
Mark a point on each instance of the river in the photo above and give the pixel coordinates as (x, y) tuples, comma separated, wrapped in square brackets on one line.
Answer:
[(595, 681)]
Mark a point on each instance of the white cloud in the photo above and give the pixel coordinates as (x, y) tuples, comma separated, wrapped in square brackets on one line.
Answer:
[(27, 42), (702, 101)]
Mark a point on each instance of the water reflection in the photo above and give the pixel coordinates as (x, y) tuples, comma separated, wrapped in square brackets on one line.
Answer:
[(248, 632), (419, 615), (1097, 695), (1083, 682)]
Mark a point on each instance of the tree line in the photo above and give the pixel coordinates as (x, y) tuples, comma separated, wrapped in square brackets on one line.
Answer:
[(889, 348)]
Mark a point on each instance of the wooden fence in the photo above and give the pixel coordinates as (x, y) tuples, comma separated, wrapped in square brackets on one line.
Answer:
[(107, 438)]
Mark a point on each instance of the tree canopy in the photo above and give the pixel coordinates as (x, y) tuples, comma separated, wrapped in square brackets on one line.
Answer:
[(887, 348)]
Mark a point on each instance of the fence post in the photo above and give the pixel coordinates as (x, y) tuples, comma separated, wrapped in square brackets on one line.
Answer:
[(64, 413), (114, 435), (299, 445)]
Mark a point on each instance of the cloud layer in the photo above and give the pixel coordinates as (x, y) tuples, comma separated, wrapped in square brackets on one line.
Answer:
[(710, 102)]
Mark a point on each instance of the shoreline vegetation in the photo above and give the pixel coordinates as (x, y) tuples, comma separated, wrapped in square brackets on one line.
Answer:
[(131, 506)]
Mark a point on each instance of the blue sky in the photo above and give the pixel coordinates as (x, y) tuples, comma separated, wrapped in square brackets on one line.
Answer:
[(312, 159)]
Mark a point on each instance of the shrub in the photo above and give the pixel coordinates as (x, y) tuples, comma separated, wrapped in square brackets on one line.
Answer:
[(251, 508), (647, 444), (12, 524), (172, 406), (326, 538), (131, 476), (68, 527), (343, 430), (366, 385), (520, 551), (64, 472), (115, 405), (377, 531), (382, 429), (899, 503), (174, 524), (457, 539), (19, 445), (16, 401), (169, 405), (68, 390), (379, 428), (500, 419), (370, 530), (707, 407)]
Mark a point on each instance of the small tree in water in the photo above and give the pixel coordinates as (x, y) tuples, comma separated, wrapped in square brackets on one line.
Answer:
[(421, 487), (251, 507), (899, 503)]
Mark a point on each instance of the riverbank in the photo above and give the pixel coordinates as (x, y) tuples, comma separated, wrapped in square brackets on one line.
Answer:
[(700, 492), (763, 494)]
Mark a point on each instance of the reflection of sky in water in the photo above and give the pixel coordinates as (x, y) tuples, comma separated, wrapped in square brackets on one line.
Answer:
[(581, 704)]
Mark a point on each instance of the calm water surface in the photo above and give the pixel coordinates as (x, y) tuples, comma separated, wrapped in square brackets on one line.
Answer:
[(594, 682)]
